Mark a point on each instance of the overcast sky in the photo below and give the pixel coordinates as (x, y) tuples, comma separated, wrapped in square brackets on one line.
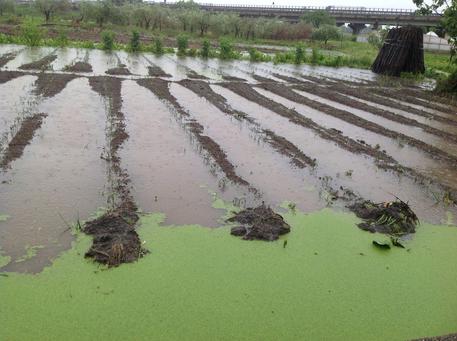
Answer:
[(323, 3)]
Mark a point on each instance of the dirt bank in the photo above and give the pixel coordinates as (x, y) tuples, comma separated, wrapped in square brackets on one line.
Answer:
[(155, 71), (82, 67), (119, 71), (6, 76), (160, 88), (193, 75), (42, 64), (21, 139), (50, 84), (115, 239), (279, 143), (4, 59)]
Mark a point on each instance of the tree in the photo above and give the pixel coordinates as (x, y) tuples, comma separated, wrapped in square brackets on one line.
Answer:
[(318, 18), (448, 8), (326, 32), (6, 6), (49, 7)]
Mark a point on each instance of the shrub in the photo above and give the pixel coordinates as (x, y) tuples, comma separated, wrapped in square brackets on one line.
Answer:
[(326, 33), (135, 44), (158, 46), (62, 38), (375, 40), (107, 40), (183, 43), (226, 49), (257, 56), (206, 47), (316, 57), (299, 53), (31, 34), (192, 52), (448, 85)]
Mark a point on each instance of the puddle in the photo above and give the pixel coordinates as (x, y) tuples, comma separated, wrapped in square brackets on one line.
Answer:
[(28, 55), (59, 177)]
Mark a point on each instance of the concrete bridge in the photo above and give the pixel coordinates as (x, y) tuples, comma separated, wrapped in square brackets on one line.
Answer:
[(357, 17)]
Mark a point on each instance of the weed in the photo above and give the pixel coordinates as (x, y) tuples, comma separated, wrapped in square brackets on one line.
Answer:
[(107, 40), (299, 53), (31, 34), (135, 44), (158, 46), (183, 43), (205, 51)]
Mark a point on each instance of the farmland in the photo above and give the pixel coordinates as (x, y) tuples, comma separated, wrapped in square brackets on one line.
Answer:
[(178, 143)]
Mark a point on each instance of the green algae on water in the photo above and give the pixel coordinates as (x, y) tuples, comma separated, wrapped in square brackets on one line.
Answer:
[(30, 252), (198, 283), (4, 217)]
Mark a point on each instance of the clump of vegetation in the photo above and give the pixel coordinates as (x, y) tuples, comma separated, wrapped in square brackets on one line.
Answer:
[(316, 57), (326, 33), (31, 34), (183, 43), (226, 49), (158, 46), (62, 38), (448, 85), (300, 53), (375, 40), (206, 47), (107, 40), (257, 56), (318, 18), (135, 44)]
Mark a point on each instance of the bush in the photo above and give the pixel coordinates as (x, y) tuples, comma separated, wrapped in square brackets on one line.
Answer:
[(299, 53), (206, 47), (375, 40), (135, 44), (31, 34), (226, 49), (62, 38), (281, 58), (107, 40), (192, 52), (316, 57), (326, 33), (158, 46), (448, 85), (183, 43)]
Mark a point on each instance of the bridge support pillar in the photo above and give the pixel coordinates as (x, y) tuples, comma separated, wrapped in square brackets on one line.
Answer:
[(356, 28)]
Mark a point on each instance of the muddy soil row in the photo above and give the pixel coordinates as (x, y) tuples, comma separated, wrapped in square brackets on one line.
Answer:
[(346, 116), (79, 66), (4, 59), (41, 64), (282, 145), (6, 76), (337, 97), (21, 139), (115, 240), (155, 71), (382, 160), (119, 71), (161, 89)]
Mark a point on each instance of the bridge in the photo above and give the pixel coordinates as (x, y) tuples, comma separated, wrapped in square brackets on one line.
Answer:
[(357, 17)]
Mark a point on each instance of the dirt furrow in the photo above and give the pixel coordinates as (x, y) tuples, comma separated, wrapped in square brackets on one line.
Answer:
[(118, 71), (346, 116), (42, 64), (337, 97), (21, 139), (6, 76), (50, 84), (381, 159), (4, 59), (160, 88), (404, 96), (82, 67), (279, 143), (115, 239), (155, 71)]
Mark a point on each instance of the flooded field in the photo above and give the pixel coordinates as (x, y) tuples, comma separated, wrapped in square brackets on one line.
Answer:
[(186, 140)]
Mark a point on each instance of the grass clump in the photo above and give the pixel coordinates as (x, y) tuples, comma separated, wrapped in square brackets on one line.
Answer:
[(206, 49), (135, 44), (31, 34), (300, 53), (107, 40), (183, 43)]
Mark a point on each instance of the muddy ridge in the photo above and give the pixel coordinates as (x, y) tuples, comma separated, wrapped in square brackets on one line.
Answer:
[(382, 160), (193, 75), (233, 78), (160, 88), (449, 337), (115, 240), (42, 64), (82, 67), (21, 139), (283, 91), (4, 59), (155, 71), (50, 84), (118, 71), (6, 76), (279, 143)]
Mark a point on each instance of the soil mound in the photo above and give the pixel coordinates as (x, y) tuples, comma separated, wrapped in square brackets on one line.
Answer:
[(79, 67), (119, 71), (4, 59), (394, 218), (155, 71), (115, 239), (260, 223), (193, 75), (50, 84), (6, 76), (42, 64)]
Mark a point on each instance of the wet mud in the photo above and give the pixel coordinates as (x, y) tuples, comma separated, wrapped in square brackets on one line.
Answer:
[(193, 75), (5, 58), (260, 223), (21, 139), (115, 240), (118, 71), (155, 71), (50, 84), (282, 145), (6, 76), (42, 64), (82, 67), (161, 89)]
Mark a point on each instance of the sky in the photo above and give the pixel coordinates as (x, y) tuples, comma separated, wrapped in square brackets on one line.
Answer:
[(323, 3)]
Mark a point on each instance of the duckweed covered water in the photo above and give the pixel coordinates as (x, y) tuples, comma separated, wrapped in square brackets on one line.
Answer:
[(329, 282)]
